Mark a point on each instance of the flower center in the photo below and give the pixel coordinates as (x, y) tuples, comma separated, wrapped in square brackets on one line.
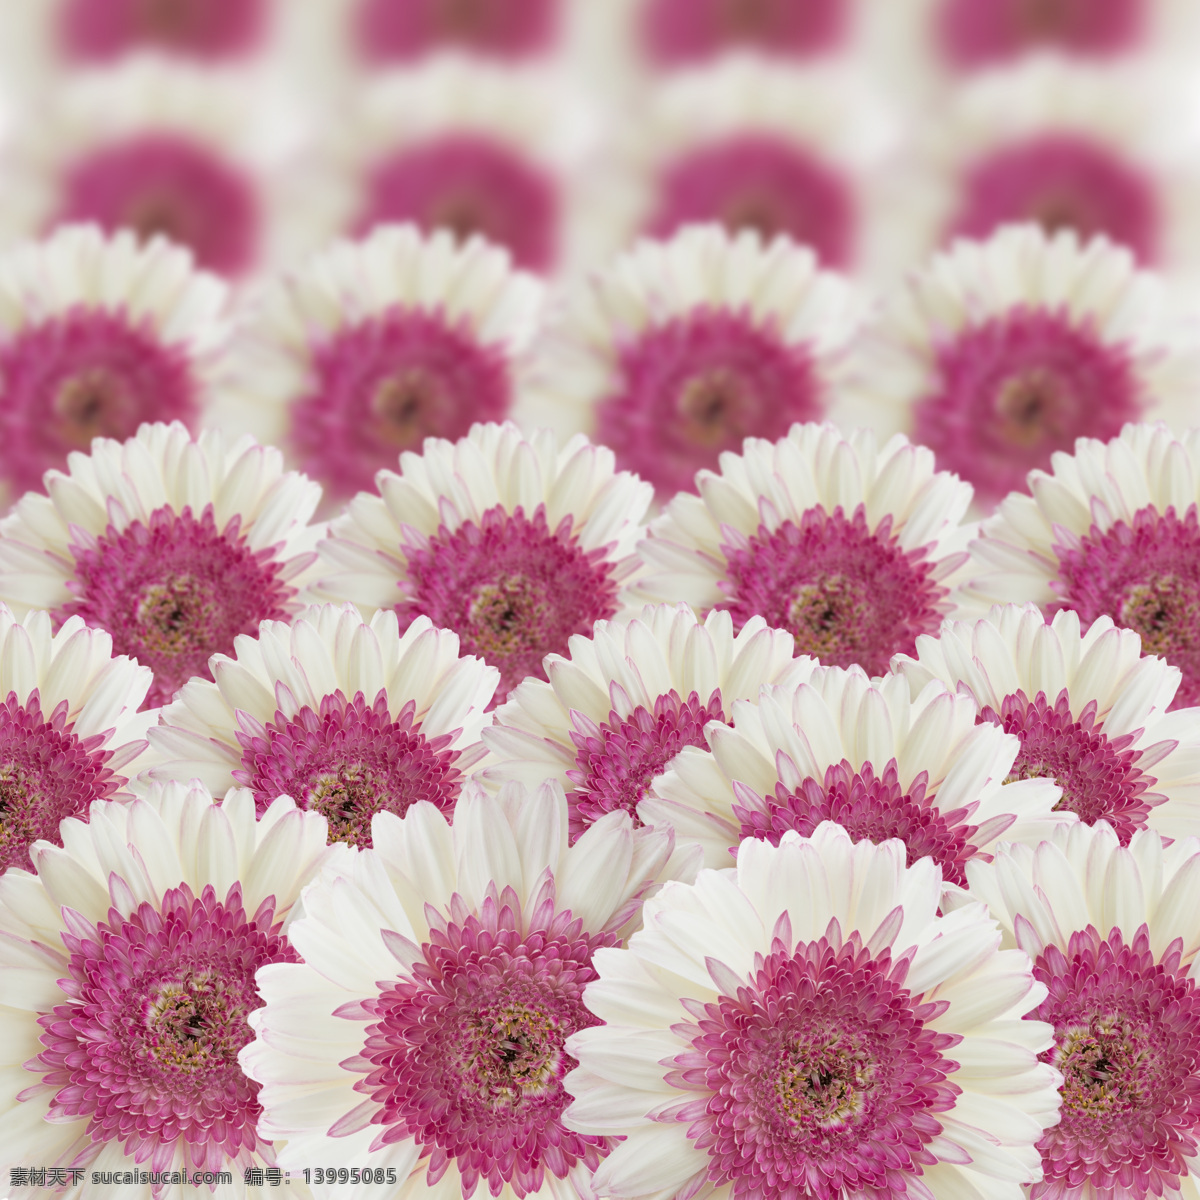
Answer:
[(1062, 181), (387, 32), (101, 30), (348, 761), (146, 1048), (870, 808), (385, 385), (821, 1077), (847, 595), (1127, 1041), (510, 588), (467, 1056), (163, 183), (1015, 389), (79, 376), (47, 773), (1146, 576), (470, 184), (701, 384), (617, 762), (765, 183), (174, 592)]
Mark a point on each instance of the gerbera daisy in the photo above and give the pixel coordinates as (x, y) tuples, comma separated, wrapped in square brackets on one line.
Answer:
[(852, 548), (1109, 531), (173, 546), (1004, 350), (1089, 709), (423, 1033), (375, 345), (684, 348), (615, 714), (515, 544), (132, 952), (347, 717), (809, 1025), (68, 727), (845, 748), (1113, 933), (98, 336)]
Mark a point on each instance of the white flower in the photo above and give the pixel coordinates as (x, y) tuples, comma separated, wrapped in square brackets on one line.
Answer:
[(806, 1014)]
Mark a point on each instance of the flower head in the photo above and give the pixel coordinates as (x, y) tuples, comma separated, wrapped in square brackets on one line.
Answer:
[(439, 1012), (386, 34), (808, 1025)]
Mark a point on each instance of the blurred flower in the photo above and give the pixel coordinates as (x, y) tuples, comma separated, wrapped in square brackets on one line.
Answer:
[(811, 1017)]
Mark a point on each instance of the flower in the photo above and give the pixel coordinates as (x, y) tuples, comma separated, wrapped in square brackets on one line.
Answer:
[(1089, 710), (809, 1025), (97, 336), (684, 348), (348, 717), (853, 549), (1002, 351), (442, 974), (1109, 531), (68, 729), (131, 955), (515, 544), (1112, 931), (173, 546), (615, 714), (845, 748), (375, 345)]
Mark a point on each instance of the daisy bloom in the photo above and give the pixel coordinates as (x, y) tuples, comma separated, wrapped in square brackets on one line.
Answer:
[(1109, 531), (852, 548), (98, 336), (614, 715), (442, 973), (515, 544), (375, 345), (1089, 709), (68, 727), (1001, 351), (346, 716), (1113, 933), (130, 955), (173, 546), (808, 1024), (842, 747), (685, 347)]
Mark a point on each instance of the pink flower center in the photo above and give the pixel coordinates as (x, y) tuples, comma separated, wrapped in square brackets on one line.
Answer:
[(616, 762), (84, 375), (470, 184), (174, 592), (762, 182), (870, 808), (93, 31), (1098, 774), (1146, 576), (977, 33), (677, 33), (47, 773), (513, 590), (1127, 1041), (1012, 391), (387, 32), (847, 595), (1062, 181), (466, 1056), (348, 761), (819, 1078), (385, 385), (699, 385), (146, 1046), (168, 184)]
